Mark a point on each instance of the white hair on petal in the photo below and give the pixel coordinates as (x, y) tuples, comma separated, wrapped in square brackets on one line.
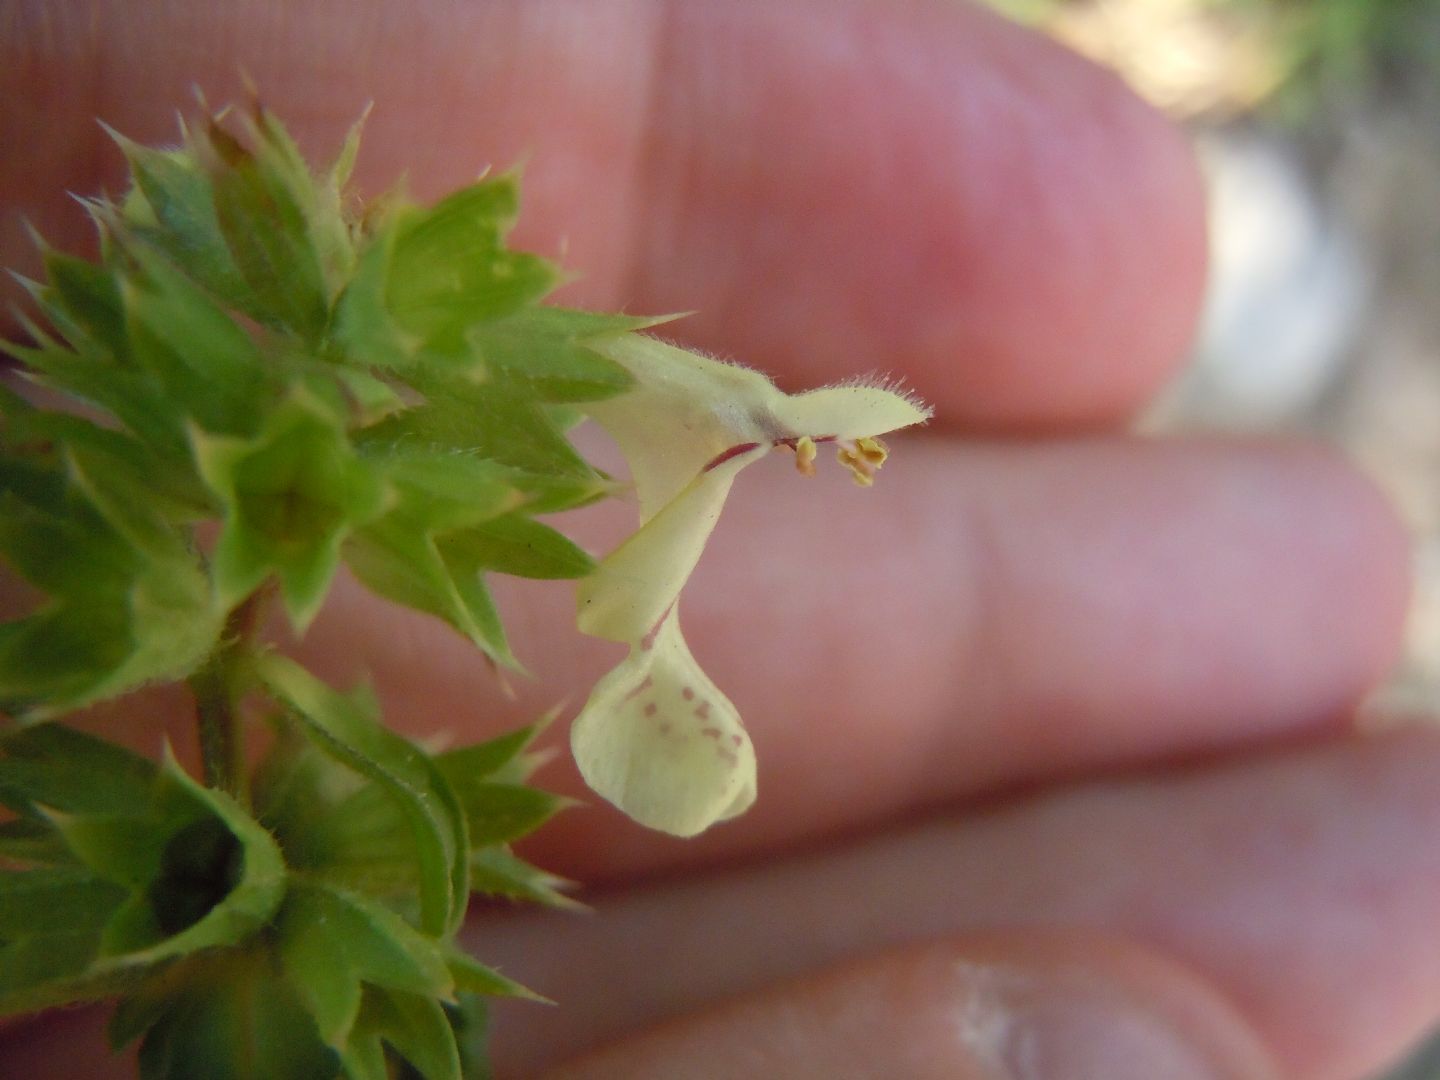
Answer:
[(890, 384)]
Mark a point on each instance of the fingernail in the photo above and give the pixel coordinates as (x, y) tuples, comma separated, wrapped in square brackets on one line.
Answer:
[(1061, 1025)]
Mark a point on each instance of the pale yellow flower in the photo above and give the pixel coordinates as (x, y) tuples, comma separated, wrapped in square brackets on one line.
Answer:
[(657, 738)]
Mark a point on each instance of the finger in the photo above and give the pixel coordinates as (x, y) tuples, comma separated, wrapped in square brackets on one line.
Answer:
[(986, 616), (1041, 1007), (837, 187), (972, 1009), (1304, 887)]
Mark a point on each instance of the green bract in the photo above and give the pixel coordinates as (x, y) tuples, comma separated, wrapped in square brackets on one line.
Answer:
[(262, 380)]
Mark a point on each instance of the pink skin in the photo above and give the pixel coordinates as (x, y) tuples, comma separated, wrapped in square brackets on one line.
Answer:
[(1013, 638)]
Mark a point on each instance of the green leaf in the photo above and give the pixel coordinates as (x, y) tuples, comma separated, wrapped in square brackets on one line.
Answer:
[(126, 848), (449, 267), (349, 732), (84, 302), (377, 857), (46, 970), (500, 419), (71, 654), (488, 780), (474, 977), (219, 876), (447, 526), (231, 1019), (470, 1019), (59, 649), (361, 397), (136, 398), (544, 347), (172, 208), (338, 175), (136, 489), (414, 1026), (53, 766), (185, 870), (418, 571), (245, 219), (260, 204), (295, 791), (441, 492), (56, 660), (519, 546), (290, 495), (51, 922), (497, 813), (331, 942), (126, 837), (497, 872), (42, 517), (364, 1057), (116, 616), (150, 997), (320, 197), (334, 825), (363, 327), (140, 510), (207, 364), (492, 759), (48, 901), (32, 843)]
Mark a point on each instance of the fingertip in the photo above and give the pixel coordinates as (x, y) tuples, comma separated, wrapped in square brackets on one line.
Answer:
[(1106, 284), (924, 188), (1364, 556), (1076, 280), (1042, 1005)]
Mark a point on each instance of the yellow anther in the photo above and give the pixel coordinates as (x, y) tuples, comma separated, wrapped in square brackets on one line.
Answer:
[(862, 457), (805, 455)]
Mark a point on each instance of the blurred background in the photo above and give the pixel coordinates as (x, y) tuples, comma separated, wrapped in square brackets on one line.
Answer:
[(1318, 123)]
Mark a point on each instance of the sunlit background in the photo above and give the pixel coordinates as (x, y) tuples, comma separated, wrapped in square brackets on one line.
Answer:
[(1318, 123)]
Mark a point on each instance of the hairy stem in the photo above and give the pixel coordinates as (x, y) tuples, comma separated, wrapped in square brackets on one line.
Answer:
[(217, 701), (216, 718)]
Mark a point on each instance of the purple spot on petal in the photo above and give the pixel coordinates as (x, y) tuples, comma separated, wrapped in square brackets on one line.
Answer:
[(711, 733), (648, 641), (703, 712), (688, 694), (639, 688), (650, 709)]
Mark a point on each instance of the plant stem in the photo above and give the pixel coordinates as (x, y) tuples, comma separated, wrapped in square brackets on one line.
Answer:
[(217, 720), (217, 691)]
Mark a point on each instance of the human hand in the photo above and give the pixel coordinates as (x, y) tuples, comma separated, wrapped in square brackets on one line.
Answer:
[(1055, 726)]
